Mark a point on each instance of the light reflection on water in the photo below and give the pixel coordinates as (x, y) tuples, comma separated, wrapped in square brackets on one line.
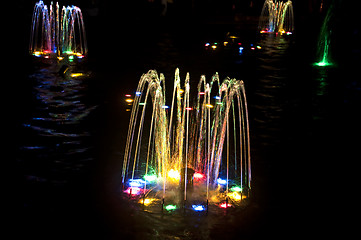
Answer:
[(56, 139)]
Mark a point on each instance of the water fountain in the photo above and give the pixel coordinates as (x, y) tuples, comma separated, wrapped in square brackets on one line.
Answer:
[(276, 16), (57, 32), (190, 154), (323, 51)]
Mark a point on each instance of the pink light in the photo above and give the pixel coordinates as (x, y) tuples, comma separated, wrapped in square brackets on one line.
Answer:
[(198, 176), (201, 93), (133, 190), (128, 95), (225, 205)]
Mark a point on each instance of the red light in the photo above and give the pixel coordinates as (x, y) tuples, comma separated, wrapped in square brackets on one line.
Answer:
[(198, 176), (128, 95), (239, 44), (225, 205), (133, 190), (201, 93), (189, 108)]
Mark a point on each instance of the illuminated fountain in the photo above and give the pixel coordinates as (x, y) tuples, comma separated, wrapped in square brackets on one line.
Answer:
[(276, 17), (189, 154), (323, 51), (57, 31)]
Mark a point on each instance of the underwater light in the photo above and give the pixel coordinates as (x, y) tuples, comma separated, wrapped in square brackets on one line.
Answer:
[(221, 181), (198, 176), (133, 190), (150, 178), (170, 207), (236, 189), (136, 182), (235, 196), (225, 205), (174, 175), (198, 208), (146, 201)]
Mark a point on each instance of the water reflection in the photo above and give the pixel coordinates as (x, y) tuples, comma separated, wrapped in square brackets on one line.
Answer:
[(56, 145), (270, 90)]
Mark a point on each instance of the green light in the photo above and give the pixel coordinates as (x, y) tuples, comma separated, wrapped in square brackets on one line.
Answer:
[(322, 64), (236, 189), (171, 207), (150, 178)]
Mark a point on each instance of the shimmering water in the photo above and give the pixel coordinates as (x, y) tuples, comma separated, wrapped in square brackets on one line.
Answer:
[(71, 132)]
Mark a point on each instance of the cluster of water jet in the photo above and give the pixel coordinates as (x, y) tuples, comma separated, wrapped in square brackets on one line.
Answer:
[(57, 32), (190, 154), (324, 42), (276, 17)]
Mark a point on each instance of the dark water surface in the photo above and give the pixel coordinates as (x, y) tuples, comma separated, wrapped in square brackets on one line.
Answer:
[(71, 132)]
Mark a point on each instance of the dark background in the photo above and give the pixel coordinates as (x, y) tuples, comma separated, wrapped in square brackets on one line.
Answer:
[(303, 153)]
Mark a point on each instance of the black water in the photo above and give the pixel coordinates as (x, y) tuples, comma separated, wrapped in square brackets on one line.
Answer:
[(70, 132)]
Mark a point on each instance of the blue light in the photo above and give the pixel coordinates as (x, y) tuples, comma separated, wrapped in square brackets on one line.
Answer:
[(136, 182), (240, 50), (217, 97), (221, 181), (138, 93), (165, 106), (198, 208)]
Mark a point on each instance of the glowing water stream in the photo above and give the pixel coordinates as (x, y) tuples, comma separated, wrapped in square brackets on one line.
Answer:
[(58, 32), (176, 153), (276, 16)]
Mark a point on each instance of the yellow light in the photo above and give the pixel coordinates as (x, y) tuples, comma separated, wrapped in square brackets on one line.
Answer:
[(235, 196), (181, 91), (259, 47), (225, 43), (214, 46), (174, 175), (129, 100), (76, 74), (60, 58), (209, 105), (147, 201)]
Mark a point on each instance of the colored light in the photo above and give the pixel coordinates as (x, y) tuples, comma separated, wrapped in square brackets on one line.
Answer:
[(259, 47), (322, 64), (133, 190), (136, 182), (288, 33), (221, 181), (225, 43), (138, 93), (174, 175), (236, 189), (142, 104), (217, 97), (207, 44), (198, 208), (225, 205), (198, 176), (129, 100), (252, 48), (150, 178), (209, 105), (239, 44), (214, 46), (170, 207), (201, 93), (128, 95), (235, 196), (146, 201), (76, 74), (189, 108), (165, 107)]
